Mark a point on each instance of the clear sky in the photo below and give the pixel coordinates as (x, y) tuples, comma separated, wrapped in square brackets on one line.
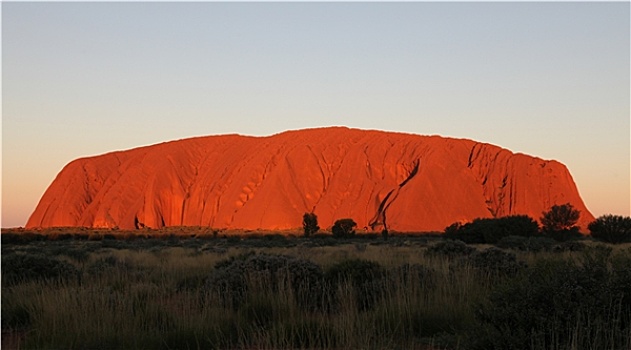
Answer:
[(545, 79)]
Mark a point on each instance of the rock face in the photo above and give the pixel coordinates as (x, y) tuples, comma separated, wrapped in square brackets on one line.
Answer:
[(412, 182)]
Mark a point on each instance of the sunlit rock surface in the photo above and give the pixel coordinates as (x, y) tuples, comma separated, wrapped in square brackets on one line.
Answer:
[(417, 183)]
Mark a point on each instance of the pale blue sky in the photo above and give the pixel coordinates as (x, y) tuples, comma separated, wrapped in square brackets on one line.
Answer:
[(545, 79)]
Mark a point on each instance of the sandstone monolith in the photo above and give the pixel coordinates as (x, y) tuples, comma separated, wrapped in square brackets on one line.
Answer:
[(414, 183)]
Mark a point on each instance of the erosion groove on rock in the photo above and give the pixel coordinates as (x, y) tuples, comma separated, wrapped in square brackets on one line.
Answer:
[(423, 183), (380, 217)]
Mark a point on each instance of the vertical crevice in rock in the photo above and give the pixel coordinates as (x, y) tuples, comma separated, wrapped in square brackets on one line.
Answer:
[(471, 156), (380, 217)]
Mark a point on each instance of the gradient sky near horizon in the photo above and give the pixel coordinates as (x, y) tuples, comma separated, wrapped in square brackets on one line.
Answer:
[(546, 79)]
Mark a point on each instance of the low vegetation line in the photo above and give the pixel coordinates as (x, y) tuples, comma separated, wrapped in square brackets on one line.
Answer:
[(191, 291)]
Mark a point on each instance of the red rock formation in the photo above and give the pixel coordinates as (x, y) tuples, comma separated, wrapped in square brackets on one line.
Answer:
[(244, 182)]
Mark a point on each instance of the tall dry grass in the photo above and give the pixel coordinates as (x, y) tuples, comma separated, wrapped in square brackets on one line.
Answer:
[(158, 297)]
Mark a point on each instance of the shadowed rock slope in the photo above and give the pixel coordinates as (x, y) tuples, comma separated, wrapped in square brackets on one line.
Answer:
[(419, 183)]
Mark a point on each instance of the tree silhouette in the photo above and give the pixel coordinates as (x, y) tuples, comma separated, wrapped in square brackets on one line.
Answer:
[(560, 222), (611, 228), (344, 228), (310, 224)]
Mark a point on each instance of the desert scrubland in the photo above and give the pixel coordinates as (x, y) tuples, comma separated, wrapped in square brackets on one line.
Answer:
[(203, 289)]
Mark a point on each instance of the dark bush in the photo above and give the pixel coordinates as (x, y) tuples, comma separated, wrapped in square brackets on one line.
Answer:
[(109, 236), (343, 228), (466, 233), (233, 240), (526, 244), (275, 237), (18, 268), (232, 278), (322, 240), (611, 229), (515, 225), (260, 313), (229, 284), (310, 224), (81, 236), (560, 217), (559, 223), (496, 261), (15, 316), (234, 260), (492, 230), (190, 283), (555, 300), (61, 237), (569, 246), (106, 265), (11, 238), (513, 242), (621, 278), (564, 235), (365, 277), (79, 254), (116, 244), (449, 249), (20, 238)]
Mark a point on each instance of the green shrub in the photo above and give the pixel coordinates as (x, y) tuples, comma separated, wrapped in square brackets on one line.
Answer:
[(611, 229)]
